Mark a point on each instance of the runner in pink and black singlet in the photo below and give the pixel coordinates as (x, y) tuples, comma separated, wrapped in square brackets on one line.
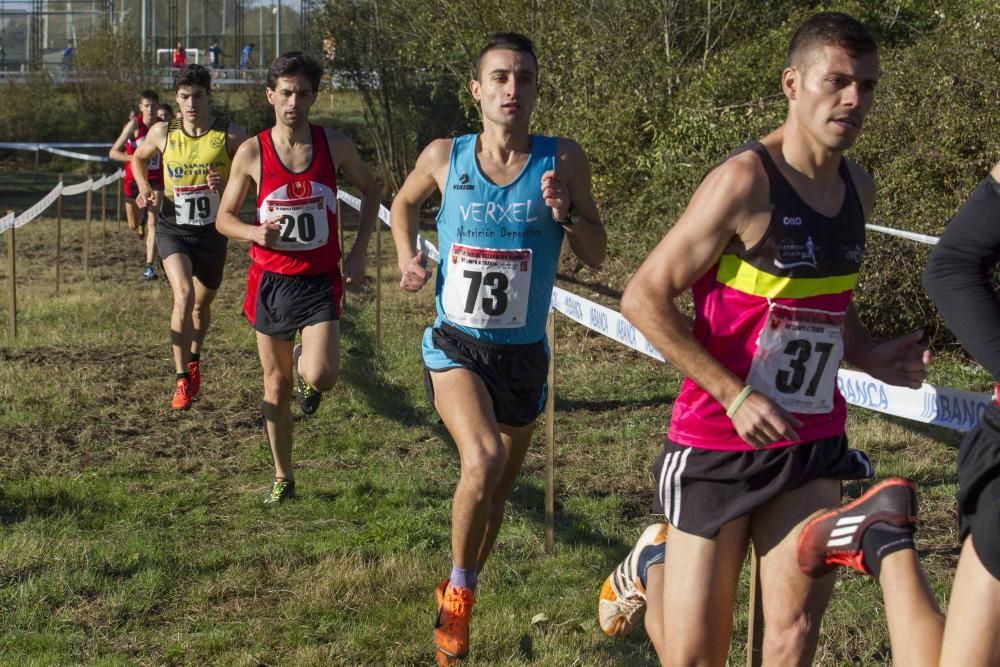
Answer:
[(770, 247)]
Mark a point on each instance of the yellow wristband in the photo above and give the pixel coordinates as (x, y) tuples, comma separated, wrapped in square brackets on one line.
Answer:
[(738, 401)]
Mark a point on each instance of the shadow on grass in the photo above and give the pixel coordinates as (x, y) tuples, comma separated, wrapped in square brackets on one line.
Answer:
[(357, 368), (14, 510), (572, 405)]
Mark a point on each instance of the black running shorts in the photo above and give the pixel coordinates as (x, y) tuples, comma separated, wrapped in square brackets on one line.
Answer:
[(279, 306), (700, 490), (207, 252), (979, 489), (515, 375)]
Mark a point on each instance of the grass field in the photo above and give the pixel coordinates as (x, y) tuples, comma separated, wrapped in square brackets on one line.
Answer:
[(130, 534)]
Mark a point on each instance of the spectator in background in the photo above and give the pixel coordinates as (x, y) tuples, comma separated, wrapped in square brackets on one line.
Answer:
[(179, 59), (214, 55), (246, 58), (67, 56)]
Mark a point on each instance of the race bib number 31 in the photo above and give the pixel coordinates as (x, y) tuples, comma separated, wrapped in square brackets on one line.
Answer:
[(303, 222), (487, 288), (196, 205), (798, 353)]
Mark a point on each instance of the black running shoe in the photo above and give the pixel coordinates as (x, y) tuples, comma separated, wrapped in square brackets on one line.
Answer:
[(309, 398)]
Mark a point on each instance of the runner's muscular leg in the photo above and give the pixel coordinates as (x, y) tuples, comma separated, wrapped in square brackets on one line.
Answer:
[(516, 440), (700, 576), (915, 622), (319, 364), (970, 634), (276, 361), (178, 269), (467, 412), (793, 602), (201, 314), (132, 214), (150, 237), (654, 621)]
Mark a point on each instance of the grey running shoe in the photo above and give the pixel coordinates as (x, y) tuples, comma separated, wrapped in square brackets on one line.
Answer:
[(149, 273), (281, 491), (309, 398)]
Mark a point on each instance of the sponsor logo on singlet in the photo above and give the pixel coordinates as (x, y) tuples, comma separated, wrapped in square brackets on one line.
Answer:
[(792, 254), (299, 189), (463, 183), (854, 254), (792, 222)]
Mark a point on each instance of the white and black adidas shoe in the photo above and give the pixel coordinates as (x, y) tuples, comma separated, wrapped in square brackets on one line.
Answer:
[(621, 603), (834, 538)]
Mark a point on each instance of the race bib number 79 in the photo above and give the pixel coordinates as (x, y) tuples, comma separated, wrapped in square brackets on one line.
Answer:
[(487, 288), (196, 205), (798, 353)]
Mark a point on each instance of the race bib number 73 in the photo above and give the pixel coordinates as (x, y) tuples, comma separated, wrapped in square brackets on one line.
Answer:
[(487, 288), (798, 353)]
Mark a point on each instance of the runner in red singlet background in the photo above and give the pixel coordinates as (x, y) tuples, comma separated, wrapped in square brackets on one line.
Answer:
[(294, 282), (133, 133)]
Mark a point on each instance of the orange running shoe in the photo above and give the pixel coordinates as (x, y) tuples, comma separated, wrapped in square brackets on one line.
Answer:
[(194, 368), (451, 631), (182, 395), (834, 538)]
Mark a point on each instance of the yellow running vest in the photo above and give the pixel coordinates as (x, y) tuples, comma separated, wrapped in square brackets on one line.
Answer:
[(186, 161)]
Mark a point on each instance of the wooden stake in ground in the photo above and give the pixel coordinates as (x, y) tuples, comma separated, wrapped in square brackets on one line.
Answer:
[(118, 209), (86, 235), (59, 237), (104, 210), (755, 621), (550, 435), (12, 279), (340, 228), (378, 286)]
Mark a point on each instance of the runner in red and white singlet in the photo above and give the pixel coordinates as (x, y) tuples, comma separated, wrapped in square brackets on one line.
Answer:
[(131, 137), (294, 282)]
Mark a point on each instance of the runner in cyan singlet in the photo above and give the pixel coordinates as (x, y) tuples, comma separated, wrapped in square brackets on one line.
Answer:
[(131, 136), (294, 282), (770, 246), (509, 198), (197, 150)]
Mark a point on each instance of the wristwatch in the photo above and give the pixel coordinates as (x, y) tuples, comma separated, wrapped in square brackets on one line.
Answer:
[(568, 220)]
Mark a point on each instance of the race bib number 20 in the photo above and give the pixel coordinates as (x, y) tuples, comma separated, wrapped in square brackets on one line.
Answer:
[(196, 205), (487, 288), (798, 353), (303, 222)]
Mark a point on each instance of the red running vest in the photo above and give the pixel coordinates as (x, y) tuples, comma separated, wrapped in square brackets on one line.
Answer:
[(304, 204)]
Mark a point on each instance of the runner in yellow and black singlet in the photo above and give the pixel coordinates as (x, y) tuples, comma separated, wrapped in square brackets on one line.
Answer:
[(197, 151)]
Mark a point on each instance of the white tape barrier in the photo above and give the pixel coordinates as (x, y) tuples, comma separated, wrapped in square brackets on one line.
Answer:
[(423, 244), (941, 406), (11, 221), (58, 149), (913, 236)]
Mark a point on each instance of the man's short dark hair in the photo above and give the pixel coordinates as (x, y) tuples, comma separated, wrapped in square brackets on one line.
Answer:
[(830, 29), (194, 75), (149, 94), (506, 41), (295, 63)]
